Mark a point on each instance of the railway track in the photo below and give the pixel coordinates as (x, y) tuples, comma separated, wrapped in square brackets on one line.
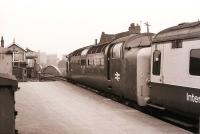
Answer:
[(48, 77)]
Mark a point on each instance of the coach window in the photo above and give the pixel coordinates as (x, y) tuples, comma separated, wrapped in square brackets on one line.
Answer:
[(88, 62), (83, 62), (195, 62), (156, 62), (176, 44), (116, 50)]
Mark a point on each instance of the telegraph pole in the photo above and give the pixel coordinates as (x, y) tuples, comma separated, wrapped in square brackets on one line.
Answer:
[(147, 25), (2, 41)]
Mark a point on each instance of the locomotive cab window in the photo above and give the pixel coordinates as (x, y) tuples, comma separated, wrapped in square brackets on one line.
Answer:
[(156, 62), (195, 62), (117, 50)]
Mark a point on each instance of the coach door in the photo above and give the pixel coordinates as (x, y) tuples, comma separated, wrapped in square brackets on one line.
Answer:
[(157, 61), (115, 67)]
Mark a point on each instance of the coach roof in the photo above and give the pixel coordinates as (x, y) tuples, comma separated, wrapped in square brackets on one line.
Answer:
[(179, 32)]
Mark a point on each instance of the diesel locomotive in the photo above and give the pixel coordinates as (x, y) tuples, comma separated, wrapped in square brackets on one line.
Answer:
[(161, 70)]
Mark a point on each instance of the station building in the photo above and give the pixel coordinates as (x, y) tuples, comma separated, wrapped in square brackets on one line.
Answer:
[(23, 62)]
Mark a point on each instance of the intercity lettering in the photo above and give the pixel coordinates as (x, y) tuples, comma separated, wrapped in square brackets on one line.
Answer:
[(192, 98)]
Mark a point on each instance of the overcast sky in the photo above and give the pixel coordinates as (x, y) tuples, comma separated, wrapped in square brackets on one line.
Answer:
[(61, 26)]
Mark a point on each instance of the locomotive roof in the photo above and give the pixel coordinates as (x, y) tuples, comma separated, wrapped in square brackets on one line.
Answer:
[(133, 40), (136, 40), (97, 48), (179, 32), (78, 51)]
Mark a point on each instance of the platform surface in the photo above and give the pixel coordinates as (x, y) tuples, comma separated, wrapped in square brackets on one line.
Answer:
[(63, 108)]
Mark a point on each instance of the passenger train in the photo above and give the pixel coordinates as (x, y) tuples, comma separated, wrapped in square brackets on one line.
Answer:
[(161, 70)]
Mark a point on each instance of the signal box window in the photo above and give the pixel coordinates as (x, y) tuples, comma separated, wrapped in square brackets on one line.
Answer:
[(156, 62), (116, 51), (195, 62)]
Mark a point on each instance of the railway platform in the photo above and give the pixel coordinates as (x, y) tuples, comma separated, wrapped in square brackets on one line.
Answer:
[(60, 107)]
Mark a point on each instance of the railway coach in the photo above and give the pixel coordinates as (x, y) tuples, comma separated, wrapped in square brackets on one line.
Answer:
[(175, 69)]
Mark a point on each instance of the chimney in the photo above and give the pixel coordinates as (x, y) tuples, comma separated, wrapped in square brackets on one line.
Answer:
[(95, 41), (134, 29), (2, 41), (14, 41)]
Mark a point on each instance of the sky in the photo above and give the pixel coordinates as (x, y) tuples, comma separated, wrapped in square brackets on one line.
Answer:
[(62, 26)]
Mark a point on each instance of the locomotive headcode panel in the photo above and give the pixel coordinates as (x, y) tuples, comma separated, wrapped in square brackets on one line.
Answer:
[(177, 86)]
